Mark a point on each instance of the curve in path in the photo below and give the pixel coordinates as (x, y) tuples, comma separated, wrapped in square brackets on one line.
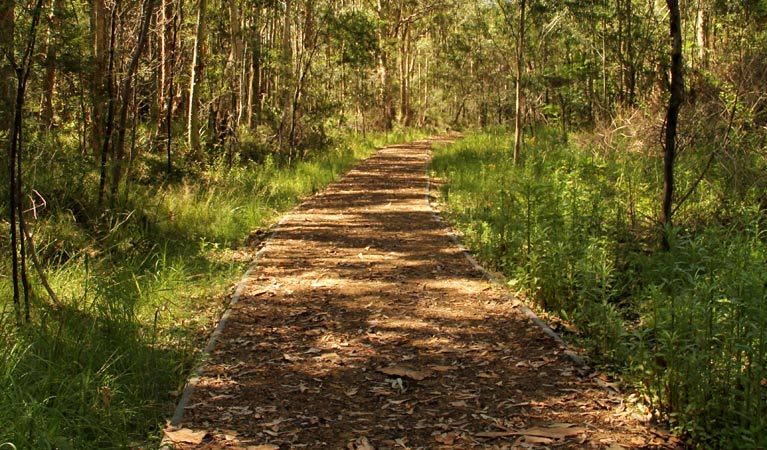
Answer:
[(364, 327)]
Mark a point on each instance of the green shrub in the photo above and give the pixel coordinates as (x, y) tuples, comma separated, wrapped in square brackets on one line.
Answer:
[(573, 230)]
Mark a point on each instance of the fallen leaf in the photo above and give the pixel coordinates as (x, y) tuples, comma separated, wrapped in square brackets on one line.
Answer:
[(496, 434), (555, 431), (533, 440), (264, 447), (329, 357), (445, 438), (406, 372), (487, 375), (360, 444), (185, 436), (442, 368)]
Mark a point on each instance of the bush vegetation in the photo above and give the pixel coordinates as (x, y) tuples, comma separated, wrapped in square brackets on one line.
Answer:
[(141, 285), (574, 229)]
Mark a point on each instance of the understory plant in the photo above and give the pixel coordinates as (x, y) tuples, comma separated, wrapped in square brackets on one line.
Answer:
[(141, 283), (573, 228)]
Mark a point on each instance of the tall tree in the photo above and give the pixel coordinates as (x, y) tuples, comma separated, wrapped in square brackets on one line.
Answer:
[(7, 74), (518, 82), (126, 90), (672, 115), (99, 21), (49, 79), (195, 79)]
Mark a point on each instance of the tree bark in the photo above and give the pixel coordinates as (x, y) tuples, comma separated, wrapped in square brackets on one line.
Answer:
[(100, 80), (126, 90), (8, 135), (167, 21), (198, 64), (672, 117), (110, 89), (518, 124), (7, 75), (49, 80), (236, 56)]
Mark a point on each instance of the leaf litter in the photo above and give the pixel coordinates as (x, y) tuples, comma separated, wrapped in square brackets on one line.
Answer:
[(378, 334)]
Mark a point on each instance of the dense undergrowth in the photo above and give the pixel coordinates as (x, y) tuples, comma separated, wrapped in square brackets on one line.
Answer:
[(574, 228), (141, 284)]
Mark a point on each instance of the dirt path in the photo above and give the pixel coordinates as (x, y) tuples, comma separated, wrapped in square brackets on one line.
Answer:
[(365, 327)]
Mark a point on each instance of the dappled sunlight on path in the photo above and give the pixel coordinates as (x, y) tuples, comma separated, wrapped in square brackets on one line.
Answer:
[(364, 326)]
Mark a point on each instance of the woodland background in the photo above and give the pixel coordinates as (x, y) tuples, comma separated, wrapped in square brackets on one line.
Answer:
[(614, 171)]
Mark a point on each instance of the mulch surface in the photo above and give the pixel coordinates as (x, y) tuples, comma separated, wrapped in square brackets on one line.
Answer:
[(364, 327)]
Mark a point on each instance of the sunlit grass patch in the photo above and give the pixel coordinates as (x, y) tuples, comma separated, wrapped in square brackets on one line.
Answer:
[(575, 231), (142, 285)]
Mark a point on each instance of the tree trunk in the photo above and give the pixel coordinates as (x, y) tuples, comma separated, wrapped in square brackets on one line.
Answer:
[(99, 79), (672, 116), (7, 75), (234, 62), (126, 89), (171, 91), (49, 80), (110, 88), (21, 66), (167, 22), (198, 65), (7, 137), (518, 124)]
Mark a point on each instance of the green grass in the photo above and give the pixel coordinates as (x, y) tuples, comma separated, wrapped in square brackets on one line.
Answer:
[(575, 230), (142, 284)]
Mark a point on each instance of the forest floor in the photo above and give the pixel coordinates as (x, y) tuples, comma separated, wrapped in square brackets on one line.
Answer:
[(365, 327)]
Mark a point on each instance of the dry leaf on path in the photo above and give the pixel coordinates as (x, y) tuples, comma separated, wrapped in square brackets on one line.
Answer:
[(360, 444), (406, 372), (533, 440), (497, 434), (446, 438), (264, 447), (555, 431), (185, 436), (437, 368)]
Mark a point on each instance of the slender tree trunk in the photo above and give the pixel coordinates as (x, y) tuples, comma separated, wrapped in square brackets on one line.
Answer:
[(702, 36), (385, 87), (404, 88), (105, 149), (198, 64), (166, 25), (126, 90), (672, 116), (518, 124), (100, 80), (22, 69), (285, 79), (49, 80), (234, 62), (631, 60), (171, 90), (8, 135), (7, 74)]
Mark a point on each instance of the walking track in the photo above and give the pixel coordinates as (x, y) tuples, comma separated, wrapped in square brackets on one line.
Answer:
[(364, 327)]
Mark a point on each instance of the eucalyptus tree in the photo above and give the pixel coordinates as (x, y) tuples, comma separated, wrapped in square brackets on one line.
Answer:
[(7, 75)]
